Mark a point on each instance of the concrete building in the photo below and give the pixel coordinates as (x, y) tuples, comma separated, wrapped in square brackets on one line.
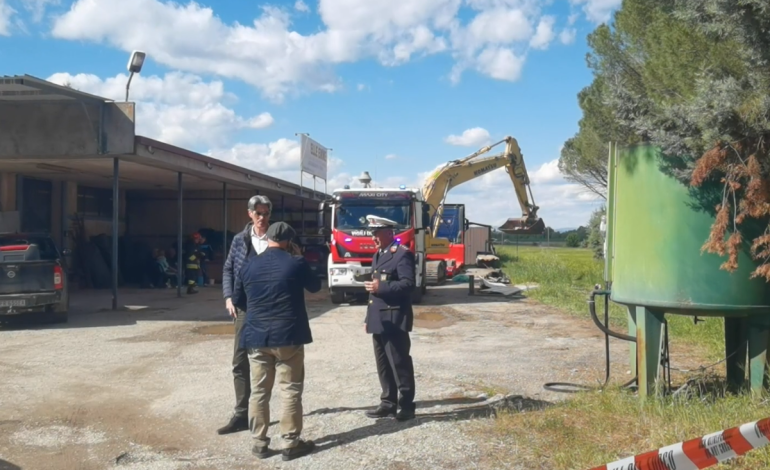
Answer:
[(71, 164)]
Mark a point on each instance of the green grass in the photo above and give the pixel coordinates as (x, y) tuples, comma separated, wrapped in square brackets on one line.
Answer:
[(566, 277), (593, 428)]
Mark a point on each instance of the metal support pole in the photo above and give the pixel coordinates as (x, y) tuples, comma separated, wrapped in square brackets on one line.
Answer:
[(115, 228), (20, 201), (283, 209), (64, 225), (302, 209), (224, 222), (179, 266)]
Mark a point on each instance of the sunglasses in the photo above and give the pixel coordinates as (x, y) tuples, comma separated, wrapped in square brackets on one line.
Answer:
[(260, 214)]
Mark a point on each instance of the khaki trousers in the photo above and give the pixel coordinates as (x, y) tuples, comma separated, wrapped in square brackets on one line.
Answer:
[(288, 365)]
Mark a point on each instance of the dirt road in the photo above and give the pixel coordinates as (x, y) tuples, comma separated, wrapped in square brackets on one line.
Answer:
[(146, 387)]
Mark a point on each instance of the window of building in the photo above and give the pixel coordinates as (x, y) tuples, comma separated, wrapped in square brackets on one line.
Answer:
[(95, 202)]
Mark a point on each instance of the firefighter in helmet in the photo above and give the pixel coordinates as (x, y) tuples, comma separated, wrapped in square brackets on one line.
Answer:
[(192, 256)]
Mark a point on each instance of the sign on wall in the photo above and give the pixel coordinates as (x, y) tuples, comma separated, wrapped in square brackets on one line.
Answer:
[(314, 157)]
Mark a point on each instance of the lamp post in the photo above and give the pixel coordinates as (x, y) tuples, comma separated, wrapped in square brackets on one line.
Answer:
[(135, 64)]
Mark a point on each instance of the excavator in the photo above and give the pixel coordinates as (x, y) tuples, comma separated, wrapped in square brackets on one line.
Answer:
[(456, 172)]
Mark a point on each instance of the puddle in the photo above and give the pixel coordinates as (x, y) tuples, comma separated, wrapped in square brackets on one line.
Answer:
[(226, 329), (432, 318)]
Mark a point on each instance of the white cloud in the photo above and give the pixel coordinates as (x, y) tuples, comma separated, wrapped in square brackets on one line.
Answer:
[(500, 63), (598, 11), (474, 137), (38, 7), (361, 87), (548, 173), (280, 159), (178, 108), (391, 156), (6, 12), (268, 54), (544, 33), (299, 5), (567, 36)]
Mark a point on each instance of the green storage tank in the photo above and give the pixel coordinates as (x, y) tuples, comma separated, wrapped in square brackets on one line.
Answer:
[(654, 266), (656, 229)]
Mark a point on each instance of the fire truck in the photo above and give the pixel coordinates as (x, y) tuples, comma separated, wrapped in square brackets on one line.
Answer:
[(351, 244), (423, 225)]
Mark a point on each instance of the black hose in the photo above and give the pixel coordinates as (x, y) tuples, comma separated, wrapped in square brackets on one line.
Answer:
[(605, 328), (555, 386)]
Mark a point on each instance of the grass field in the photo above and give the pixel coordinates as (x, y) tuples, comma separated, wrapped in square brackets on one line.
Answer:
[(566, 277), (594, 428)]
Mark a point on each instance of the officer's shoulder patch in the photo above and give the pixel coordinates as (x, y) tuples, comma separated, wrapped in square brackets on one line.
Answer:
[(393, 248)]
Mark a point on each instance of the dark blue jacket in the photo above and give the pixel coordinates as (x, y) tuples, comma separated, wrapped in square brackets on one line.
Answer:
[(239, 250), (390, 309), (273, 284)]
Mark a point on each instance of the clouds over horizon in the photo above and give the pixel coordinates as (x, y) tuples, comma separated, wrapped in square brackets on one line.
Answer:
[(188, 111), (491, 37)]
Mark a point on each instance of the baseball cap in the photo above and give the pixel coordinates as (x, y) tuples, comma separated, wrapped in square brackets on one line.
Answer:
[(280, 232)]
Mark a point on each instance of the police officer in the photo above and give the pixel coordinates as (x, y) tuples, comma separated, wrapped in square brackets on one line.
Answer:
[(389, 319)]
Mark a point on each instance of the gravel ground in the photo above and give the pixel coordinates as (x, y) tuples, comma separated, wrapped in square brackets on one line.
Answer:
[(146, 388)]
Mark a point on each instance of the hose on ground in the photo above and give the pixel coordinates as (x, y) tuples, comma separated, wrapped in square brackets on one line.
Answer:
[(575, 388)]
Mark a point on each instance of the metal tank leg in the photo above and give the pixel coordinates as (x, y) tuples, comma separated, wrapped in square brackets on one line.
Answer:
[(735, 352), (758, 330), (649, 345), (632, 346)]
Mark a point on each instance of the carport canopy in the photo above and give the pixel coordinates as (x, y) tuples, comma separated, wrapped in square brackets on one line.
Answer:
[(54, 132)]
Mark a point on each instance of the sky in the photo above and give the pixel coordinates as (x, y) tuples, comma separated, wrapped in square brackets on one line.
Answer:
[(392, 87)]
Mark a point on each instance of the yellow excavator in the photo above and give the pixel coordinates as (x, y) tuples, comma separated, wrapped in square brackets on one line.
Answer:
[(454, 173)]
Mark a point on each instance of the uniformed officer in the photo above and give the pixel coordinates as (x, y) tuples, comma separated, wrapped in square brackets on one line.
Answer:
[(389, 319)]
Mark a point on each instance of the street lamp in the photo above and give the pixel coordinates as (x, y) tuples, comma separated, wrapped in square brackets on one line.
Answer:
[(134, 66)]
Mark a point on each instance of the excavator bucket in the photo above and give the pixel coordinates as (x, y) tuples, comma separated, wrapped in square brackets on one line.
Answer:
[(520, 227)]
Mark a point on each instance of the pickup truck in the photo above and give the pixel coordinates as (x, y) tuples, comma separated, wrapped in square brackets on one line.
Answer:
[(33, 280)]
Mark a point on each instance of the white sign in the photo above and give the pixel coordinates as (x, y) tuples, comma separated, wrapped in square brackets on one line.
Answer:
[(314, 159)]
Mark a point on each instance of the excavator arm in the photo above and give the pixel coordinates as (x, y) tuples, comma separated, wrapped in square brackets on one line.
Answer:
[(457, 172)]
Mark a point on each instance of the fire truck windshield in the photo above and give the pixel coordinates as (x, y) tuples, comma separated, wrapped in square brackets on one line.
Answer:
[(351, 215)]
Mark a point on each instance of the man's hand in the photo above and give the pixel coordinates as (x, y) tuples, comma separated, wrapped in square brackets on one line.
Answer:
[(372, 286), (230, 308)]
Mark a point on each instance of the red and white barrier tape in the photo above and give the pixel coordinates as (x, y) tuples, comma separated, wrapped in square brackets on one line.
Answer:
[(699, 453)]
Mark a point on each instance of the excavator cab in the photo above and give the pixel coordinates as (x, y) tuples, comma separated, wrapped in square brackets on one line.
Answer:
[(523, 226)]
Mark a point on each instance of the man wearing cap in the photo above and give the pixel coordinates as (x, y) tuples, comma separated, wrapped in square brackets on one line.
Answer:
[(251, 242), (275, 331), (389, 319)]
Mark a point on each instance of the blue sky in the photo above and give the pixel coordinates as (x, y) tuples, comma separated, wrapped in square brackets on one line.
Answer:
[(394, 87)]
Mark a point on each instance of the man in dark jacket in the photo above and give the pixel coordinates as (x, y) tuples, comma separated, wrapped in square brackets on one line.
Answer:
[(389, 319), (251, 242), (274, 333)]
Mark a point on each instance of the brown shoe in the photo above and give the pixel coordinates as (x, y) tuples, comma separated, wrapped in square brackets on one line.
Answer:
[(301, 449)]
